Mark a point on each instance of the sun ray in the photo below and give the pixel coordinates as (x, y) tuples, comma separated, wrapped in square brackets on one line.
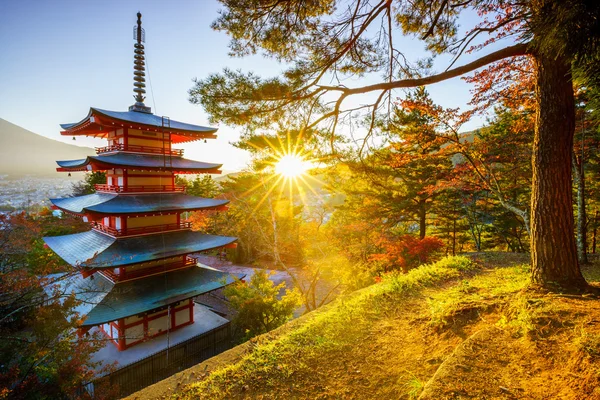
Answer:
[(259, 184), (266, 195)]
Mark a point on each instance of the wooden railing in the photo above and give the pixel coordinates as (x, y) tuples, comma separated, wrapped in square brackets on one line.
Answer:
[(140, 149), (139, 188), (124, 276), (140, 230)]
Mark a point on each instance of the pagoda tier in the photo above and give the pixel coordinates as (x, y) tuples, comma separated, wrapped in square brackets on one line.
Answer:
[(99, 204), (135, 124), (131, 312), (139, 162), (96, 250), (104, 301)]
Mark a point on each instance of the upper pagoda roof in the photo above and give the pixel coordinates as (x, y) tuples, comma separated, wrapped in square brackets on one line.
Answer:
[(139, 161), (93, 249), (103, 301), (109, 203), (99, 122)]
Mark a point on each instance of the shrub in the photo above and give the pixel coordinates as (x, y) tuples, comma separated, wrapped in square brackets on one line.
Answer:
[(406, 252), (259, 308)]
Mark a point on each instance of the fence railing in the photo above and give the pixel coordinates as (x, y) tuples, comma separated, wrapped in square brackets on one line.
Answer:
[(140, 149), (140, 230), (188, 262), (139, 188), (161, 365)]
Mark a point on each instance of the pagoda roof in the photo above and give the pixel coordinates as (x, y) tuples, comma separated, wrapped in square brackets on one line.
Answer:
[(139, 161), (99, 122), (103, 301), (111, 203), (93, 249)]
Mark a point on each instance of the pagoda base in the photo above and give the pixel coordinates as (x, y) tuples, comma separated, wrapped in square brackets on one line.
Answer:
[(204, 321)]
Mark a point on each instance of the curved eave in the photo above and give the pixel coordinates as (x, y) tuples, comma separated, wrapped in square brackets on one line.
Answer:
[(95, 250), (113, 204), (102, 301), (137, 161), (99, 122), (136, 297)]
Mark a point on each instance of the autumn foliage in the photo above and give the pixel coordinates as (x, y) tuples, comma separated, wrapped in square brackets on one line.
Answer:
[(406, 252), (40, 352)]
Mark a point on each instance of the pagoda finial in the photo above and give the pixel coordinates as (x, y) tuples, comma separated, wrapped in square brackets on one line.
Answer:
[(139, 67)]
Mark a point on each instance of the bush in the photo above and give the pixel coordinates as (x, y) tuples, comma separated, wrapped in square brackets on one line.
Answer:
[(259, 308), (406, 252)]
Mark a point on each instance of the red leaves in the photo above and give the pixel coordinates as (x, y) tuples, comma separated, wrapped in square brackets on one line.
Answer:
[(405, 252), (508, 82)]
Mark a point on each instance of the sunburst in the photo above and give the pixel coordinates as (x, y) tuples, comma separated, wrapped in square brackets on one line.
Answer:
[(292, 166), (289, 168)]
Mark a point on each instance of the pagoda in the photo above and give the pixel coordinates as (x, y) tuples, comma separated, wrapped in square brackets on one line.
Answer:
[(136, 278)]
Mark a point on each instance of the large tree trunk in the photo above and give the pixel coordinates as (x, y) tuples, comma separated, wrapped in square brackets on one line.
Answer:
[(554, 262)]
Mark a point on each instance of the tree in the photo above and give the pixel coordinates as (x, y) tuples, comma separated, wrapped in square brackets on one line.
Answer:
[(88, 184), (258, 304), (42, 357), (204, 186), (407, 171), (326, 42)]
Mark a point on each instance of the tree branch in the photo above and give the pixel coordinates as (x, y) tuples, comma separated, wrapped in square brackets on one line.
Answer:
[(520, 49)]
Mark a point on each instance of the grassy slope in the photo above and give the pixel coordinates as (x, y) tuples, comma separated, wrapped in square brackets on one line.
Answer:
[(456, 329)]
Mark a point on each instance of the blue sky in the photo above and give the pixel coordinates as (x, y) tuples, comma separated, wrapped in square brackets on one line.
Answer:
[(61, 57)]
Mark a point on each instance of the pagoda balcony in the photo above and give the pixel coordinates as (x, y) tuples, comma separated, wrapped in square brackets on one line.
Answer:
[(138, 188), (140, 230), (139, 149), (124, 275)]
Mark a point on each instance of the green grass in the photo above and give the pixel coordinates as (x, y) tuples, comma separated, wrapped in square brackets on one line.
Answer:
[(476, 295), (413, 387), (333, 328), (322, 355), (588, 343), (430, 274)]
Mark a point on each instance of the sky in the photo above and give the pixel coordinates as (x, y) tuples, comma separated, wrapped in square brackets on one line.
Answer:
[(58, 58)]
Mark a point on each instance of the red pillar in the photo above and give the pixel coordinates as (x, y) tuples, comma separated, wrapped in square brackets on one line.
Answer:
[(172, 308), (121, 329)]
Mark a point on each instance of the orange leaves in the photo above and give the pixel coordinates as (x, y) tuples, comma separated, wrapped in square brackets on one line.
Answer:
[(508, 82), (405, 252), (201, 220)]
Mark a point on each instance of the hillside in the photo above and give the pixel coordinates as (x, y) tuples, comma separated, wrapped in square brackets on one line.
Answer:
[(25, 153), (463, 328)]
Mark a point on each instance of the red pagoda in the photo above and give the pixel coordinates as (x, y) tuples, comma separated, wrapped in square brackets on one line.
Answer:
[(138, 278)]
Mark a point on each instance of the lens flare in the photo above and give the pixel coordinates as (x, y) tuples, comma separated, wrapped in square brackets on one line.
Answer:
[(291, 166)]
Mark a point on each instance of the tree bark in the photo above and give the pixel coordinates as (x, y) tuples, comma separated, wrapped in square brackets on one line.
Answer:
[(422, 219), (454, 237), (554, 262), (595, 229), (581, 214)]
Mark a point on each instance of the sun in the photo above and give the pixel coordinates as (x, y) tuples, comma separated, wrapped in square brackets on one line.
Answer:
[(291, 166)]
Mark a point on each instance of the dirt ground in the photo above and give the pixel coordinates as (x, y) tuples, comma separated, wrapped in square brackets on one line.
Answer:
[(464, 339)]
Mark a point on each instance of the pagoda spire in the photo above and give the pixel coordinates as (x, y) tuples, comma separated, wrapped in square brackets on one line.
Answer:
[(139, 67)]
